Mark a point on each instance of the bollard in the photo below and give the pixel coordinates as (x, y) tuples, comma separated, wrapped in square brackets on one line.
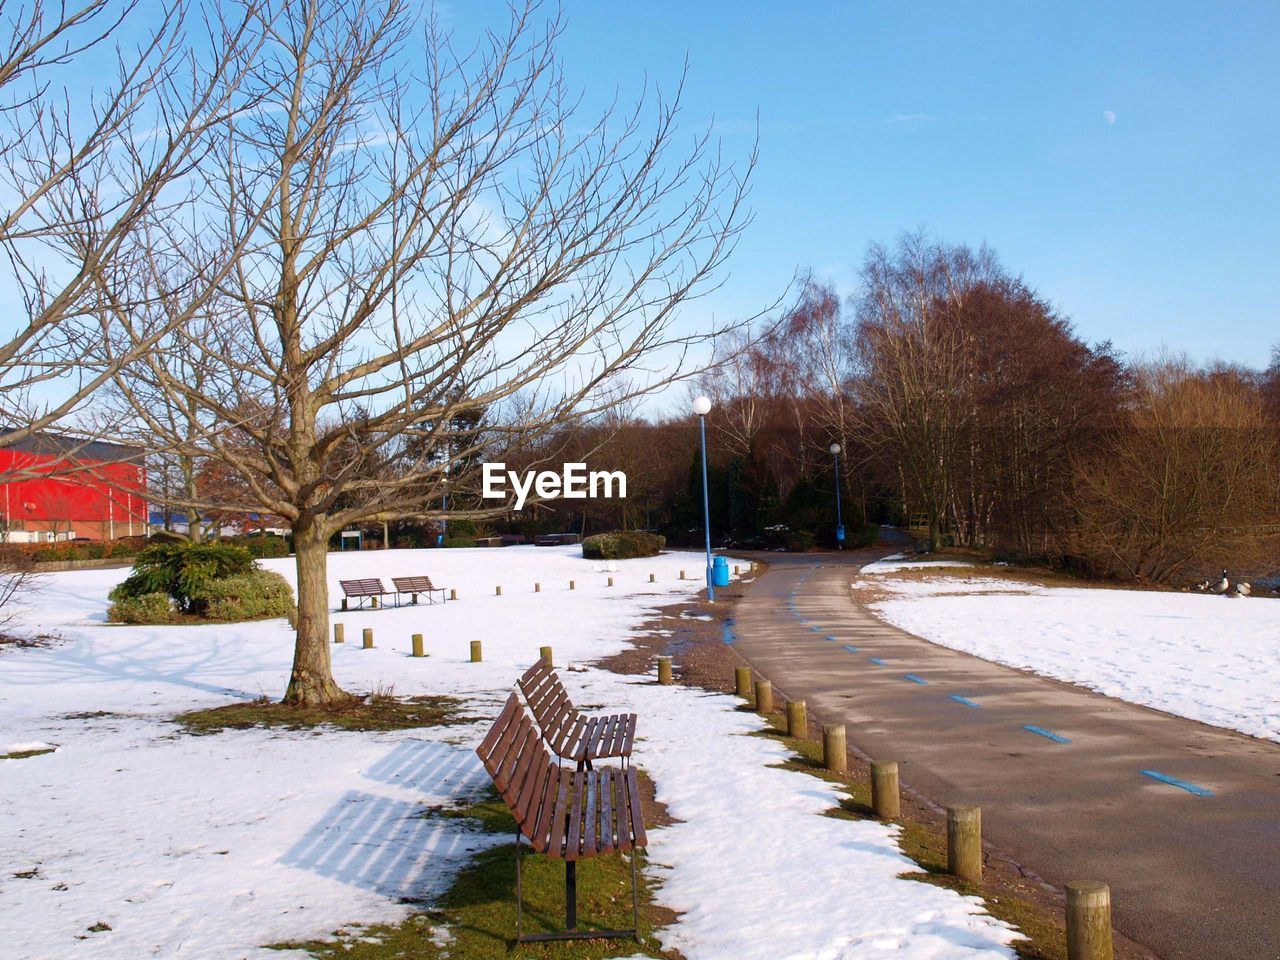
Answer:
[(368, 638), (797, 719), (735, 569), (537, 588), (611, 581), (373, 603), (417, 646), (764, 696), (964, 843), (497, 591), (742, 681), (338, 636), (834, 753), (1088, 921), (476, 652), (681, 577), (570, 584), (664, 670), (884, 789), (544, 654), (453, 594), (652, 579), (293, 619), (344, 604)]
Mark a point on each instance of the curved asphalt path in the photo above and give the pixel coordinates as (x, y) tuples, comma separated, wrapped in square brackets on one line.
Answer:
[(1192, 876)]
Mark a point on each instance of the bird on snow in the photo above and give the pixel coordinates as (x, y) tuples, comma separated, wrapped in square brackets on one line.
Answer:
[(1223, 585), (1203, 585), (1242, 590)]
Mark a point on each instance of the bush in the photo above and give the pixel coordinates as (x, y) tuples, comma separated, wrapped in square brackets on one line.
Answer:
[(245, 596), (147, 608), (263, 546), (181, 570), (622, 545)]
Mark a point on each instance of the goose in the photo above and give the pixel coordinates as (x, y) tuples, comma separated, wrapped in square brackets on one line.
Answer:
[(1223, 585), (1242, 590), (1203, 586)]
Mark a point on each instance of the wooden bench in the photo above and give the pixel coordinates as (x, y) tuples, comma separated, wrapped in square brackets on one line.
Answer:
[(370, 589), (570, 734), (569, 814), (415, 586)]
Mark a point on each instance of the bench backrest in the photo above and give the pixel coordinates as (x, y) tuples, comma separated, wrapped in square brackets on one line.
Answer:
[(519, 763), (413, 584), (362, 588), (555, 713)]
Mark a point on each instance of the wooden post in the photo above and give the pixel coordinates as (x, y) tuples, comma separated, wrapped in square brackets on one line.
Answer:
[(476, 652), (611, 581), (537, 588), (742, 681), (884, 789), (735, 569), (681, 577), (834, 753), (1088, 921), (338, 633), (964, 843), (453, 594), (570, 584), (764, 697), (797, 719), (652, 579), (344, 604), (664, 670), (417, 646), (368, 638), (497, 591), (373, 603), (545, 654), (292, 617)]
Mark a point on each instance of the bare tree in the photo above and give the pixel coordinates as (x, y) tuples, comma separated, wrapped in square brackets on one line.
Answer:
[(86, 176), (912, 388), (446, 236)]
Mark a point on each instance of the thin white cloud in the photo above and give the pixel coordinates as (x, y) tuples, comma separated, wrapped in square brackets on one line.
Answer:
[(1109, 116), (912, 118)]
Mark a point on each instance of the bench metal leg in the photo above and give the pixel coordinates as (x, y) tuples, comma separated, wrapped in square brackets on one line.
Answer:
[(571, 895), (571, 931)]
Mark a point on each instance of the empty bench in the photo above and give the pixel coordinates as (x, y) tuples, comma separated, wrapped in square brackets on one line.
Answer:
[(414, 587), (370, 589), (567, 813), (570, 734)]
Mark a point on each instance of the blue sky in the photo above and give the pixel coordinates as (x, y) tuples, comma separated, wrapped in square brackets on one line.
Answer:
[(1123, 159)]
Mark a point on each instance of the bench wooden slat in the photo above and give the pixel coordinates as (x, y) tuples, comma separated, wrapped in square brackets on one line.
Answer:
[(560, 814), (622, 813), (638, 838), (606, 810), (370, 587), (571, 734), (577, 809)]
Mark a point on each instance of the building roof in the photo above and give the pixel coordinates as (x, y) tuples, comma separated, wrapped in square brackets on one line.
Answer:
[(69, 445)]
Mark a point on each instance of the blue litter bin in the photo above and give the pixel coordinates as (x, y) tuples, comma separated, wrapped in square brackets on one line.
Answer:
[(720, 572)]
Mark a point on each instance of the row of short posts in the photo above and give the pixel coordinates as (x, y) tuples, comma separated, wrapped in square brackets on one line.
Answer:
[(1088, 913)]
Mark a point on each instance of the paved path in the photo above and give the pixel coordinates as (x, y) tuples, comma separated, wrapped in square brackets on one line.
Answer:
[(1192, 876)]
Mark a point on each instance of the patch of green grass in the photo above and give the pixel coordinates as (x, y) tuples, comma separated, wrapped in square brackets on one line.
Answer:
[(476, 917), (1045, 940), (377, 711), (23, 754)]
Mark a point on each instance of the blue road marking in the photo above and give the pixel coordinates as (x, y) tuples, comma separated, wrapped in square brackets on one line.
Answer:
[(965, 700), (816, 629), (851, 648), (1175, 782), (914, 679), (831, 638), (879, 663), (726, 634), (1048, 734)]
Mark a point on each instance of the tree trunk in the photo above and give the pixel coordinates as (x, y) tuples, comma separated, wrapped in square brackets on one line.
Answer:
[(312, 682)]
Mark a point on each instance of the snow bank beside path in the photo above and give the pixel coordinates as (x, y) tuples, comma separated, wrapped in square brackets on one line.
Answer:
[(210, 847), (1208, 658), (902, 561)]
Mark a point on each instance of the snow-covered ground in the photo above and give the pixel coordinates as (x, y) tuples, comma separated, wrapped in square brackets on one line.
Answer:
[(210, 847), (1210, 658)]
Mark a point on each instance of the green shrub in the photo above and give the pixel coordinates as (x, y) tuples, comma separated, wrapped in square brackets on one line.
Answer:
[(147, 608), (181, 570), (800, 541), (622, 545), (264, 546), (245, 596)]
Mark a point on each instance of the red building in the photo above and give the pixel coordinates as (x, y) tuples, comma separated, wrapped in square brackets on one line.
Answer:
[(57, 487)]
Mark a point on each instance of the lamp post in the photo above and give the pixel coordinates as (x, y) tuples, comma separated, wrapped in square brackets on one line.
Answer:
[(835, 452), (444, 510), (702, 406)]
